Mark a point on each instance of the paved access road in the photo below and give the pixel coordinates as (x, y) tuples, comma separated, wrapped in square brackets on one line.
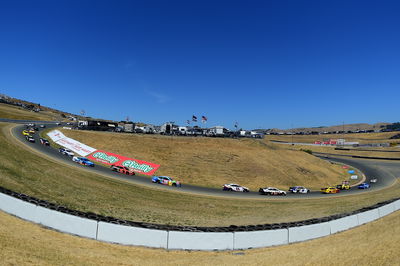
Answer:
[(385, 171)]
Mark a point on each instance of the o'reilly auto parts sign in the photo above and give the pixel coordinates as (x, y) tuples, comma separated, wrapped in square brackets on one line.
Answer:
[(137, 165)]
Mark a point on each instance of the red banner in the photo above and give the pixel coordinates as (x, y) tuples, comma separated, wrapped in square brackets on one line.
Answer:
[(109, 158)]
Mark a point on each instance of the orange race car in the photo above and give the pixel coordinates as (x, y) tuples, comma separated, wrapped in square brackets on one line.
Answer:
[(122, 169)]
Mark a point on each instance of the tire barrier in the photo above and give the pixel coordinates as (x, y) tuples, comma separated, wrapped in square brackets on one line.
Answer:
[(114, 230)]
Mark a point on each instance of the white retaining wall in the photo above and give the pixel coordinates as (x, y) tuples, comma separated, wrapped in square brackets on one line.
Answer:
[(66, 223), (129, 235), (200, 240), (258, 239), (307, 232), (368, 216), (343, 224)]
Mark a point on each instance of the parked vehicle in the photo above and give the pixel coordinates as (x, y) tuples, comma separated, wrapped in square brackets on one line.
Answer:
[(235, 187), (66, 152), (83, 161), (44, 142), (363, 186), (299, 189), (330, 190), (122, 169), (272, 191), (166, 180)]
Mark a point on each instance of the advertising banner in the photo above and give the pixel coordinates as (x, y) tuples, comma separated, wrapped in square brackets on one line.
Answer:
[(76, 146), (56, 135), (109, 158), (71, 144)]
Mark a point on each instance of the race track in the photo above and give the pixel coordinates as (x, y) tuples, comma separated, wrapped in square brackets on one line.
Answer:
[(385, 171)]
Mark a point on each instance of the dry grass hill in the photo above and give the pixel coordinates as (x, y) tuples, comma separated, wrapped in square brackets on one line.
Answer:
[(215, 161)]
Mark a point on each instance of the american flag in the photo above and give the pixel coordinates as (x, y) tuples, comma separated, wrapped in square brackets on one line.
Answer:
[(203, 119), (194, 118)]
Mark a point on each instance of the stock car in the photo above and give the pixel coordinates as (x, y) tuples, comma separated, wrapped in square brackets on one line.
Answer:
[(373, 180), (330, 190), (30, 138), (299, 189), (83, 161), (344, 186), (166, 180), (272, 191), (26, 133), (66, 152), (44, 142), (363, 186), (122, 169), (235, 187)]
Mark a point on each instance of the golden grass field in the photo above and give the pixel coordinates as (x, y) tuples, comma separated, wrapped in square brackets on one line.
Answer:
[(216, 161), (363, 138), (32, 173), (376, 243), (16, 112)]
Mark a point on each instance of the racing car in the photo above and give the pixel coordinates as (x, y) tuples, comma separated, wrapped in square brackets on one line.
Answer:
[(30, 138), (330, 190), (44, 142), (235, 187), (83, 161), (373, 180), (122, 169), (299, 189), (363, 186), (26, 133), (344, 186), (166, 180), (272, 191), (66, 152)]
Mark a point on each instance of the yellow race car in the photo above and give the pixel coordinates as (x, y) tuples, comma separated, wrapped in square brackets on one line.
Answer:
[(32, 131), (25, 133), (330, 190)]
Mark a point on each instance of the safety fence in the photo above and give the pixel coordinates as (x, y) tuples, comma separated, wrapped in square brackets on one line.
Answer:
[(110, 229)]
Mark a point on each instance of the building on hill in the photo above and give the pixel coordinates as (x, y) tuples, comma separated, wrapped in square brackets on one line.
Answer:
[(97, 125)]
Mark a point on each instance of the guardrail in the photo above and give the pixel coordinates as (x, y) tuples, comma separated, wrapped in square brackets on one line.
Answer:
[(110, 229)]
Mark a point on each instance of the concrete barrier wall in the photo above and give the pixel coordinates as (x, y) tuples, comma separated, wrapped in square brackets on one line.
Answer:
[(386, 209), (258, 239), (397, 205), (17, 207), (129, 235), (200, 240), (368, 216), (307, 232), (343, 224), (66, 223)]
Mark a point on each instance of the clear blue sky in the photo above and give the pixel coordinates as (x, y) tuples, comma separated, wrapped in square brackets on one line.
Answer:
[(262, 63)]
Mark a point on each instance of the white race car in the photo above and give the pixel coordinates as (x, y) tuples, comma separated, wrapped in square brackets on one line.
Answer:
[(299, 189), (271, 191), (66, 152), (235, 187)]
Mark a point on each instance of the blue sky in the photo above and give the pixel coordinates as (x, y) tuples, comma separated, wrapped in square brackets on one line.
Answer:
[(268, 64)]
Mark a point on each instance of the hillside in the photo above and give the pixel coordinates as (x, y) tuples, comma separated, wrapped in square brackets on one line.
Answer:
[(214, 161)]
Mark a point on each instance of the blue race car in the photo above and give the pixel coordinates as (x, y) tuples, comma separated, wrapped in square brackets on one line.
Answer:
[(83, 161), (363, 186)]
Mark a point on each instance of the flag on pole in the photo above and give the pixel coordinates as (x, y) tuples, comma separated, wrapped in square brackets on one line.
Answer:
[(194, 118), (188, 122), (203, 119), (236, 125)]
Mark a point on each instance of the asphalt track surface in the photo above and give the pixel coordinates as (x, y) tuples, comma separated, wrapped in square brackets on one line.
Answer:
[(385, 171)]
